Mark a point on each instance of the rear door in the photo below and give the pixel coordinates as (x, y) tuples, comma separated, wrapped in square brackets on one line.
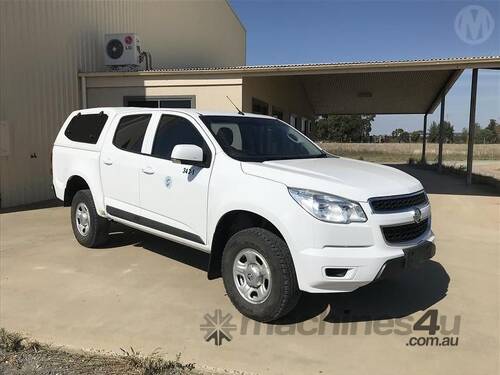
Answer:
[(121, 162), (173, 195)]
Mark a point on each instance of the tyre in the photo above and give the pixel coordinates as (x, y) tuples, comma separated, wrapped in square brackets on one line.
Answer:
[(90, 229), (259, 276)]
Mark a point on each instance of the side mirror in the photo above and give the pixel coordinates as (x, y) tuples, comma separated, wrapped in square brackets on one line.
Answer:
[(187, 154)]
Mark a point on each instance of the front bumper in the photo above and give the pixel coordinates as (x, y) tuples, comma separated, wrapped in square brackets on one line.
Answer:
[(359, 265), (356, 252), (413, 257)]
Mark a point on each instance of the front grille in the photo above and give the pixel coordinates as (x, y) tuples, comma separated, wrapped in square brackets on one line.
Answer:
[(398, 202), (406, 232)]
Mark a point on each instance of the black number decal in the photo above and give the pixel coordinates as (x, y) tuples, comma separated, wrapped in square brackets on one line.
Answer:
[(432, 327)]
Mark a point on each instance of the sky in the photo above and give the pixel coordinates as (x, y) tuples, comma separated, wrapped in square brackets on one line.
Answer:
[(314, 31)]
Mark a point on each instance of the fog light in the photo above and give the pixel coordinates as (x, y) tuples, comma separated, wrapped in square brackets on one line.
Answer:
[(336, 272)]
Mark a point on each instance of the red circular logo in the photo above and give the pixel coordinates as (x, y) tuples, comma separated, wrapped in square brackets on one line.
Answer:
[(129, 39)]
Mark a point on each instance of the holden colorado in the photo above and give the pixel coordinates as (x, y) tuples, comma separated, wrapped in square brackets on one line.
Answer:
[(277, 214)]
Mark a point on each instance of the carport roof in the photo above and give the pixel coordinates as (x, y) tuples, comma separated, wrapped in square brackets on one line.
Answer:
[(379, 87)]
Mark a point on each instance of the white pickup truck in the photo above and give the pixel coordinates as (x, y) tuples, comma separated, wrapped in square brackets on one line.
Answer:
[(277, 214)]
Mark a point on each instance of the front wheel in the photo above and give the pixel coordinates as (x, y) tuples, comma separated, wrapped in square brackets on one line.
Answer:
[(90, 229), (259, 275)]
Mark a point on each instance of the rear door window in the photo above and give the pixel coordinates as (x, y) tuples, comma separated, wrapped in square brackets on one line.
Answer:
[(86, 128), (130, 132)]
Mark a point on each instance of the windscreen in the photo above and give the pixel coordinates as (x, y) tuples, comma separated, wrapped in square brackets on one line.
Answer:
[(260, 139)]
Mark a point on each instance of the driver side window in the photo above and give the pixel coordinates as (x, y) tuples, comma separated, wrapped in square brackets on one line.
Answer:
[(174, 130)]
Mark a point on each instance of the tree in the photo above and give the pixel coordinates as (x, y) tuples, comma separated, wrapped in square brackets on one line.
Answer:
[(344, 128), (485, 135), (396, 133), (494, 131), (401, 135), (415, 136), (433, 132), (490, 134), (447, 132), (478, 135), (464, 137)]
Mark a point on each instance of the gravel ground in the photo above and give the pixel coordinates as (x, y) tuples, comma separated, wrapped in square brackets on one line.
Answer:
[(19, 356)]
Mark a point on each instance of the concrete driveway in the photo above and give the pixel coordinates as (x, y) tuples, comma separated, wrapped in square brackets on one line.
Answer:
[(150, 293)]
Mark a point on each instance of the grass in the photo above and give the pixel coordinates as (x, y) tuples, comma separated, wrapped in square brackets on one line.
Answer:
[(21, 356), (402, 152)]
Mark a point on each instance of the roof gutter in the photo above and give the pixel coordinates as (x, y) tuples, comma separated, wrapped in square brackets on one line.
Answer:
[(305, 69)]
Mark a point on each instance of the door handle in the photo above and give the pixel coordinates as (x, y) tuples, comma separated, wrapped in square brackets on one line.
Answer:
[(148, 170), (107, 161)]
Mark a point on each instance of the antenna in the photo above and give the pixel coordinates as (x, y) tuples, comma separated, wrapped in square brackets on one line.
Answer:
[(234, 105)]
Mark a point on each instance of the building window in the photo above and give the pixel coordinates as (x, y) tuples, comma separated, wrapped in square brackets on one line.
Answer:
[(308, 127), (176, 103), (260, 107), (142, 103), (303, 125), (278, 113), (159, 102)]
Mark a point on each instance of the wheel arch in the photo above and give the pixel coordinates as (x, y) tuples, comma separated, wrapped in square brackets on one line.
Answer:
[(228, 224), (74, 184)]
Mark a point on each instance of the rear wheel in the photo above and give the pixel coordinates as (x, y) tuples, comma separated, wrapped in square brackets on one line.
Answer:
[(90, 229), (259, 275)]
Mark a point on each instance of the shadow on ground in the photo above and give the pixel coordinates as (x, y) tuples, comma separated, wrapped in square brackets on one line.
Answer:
[(440, 183), (120, 236), (414, 290), (33, 206)]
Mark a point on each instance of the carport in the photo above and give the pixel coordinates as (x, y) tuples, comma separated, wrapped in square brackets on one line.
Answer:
[(388, 87), (302, 91)]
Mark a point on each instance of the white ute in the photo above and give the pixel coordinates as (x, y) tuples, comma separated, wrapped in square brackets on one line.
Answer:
[(277, 214)]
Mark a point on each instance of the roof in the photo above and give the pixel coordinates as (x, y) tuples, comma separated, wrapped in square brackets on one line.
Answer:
[(378, 87), (188, 111), (381, 65)]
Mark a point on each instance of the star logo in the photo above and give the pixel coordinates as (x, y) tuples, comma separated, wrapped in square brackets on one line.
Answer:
[(218, 327)]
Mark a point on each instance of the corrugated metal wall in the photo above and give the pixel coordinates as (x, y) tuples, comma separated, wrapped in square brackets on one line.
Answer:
[(45, 43)]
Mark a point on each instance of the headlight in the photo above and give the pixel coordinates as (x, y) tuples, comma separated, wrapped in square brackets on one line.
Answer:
[(328, 207)]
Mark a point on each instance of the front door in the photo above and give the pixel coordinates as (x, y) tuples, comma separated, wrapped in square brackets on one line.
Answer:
[(173, 195)]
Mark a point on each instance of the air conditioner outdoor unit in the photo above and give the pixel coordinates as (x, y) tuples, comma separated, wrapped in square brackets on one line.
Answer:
[(122, 49)]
